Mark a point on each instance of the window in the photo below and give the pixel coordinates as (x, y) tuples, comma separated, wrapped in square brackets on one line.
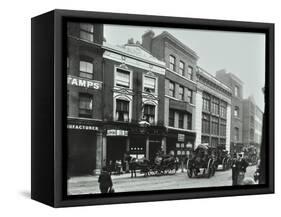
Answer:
[(252, 134), (215, 105), (181, 118), (85, 105), (223, 109), (172, 62), (223, 127), (171, 118), (252, 120), (86, 69), (122, 78), (181, 68), (172, 89), (236, 111), (87, 31), (189, 121), (149, 84), (189, 96), (181, 93), (149, 113), (122, 110), (189, 73), (214, 142), (205, 123), (236, 133), (236, 91), (205, 139), (206, 102), (215, 126)]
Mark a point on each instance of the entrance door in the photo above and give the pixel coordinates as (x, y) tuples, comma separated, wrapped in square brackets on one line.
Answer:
[(154, 147), (116, 147)]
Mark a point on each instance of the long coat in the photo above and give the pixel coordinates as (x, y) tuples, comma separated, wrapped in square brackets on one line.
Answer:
[(105, 182)]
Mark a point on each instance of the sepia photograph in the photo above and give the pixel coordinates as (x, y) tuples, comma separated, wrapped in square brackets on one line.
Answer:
[(153, 108)]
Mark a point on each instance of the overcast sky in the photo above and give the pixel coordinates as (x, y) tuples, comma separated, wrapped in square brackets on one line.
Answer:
[(242, 54)]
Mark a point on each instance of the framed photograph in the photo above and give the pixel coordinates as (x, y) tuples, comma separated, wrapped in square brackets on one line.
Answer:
[(134, 108)]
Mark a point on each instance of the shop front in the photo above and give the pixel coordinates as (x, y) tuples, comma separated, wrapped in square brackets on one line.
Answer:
[(180, 143), (82, 147)]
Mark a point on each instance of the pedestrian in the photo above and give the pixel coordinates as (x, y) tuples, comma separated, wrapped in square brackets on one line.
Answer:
[(234, 170), (242, 165), (105, 181)]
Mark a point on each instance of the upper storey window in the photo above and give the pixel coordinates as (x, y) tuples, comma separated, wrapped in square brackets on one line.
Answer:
[(172, 62), (122, 78), (87, 31)]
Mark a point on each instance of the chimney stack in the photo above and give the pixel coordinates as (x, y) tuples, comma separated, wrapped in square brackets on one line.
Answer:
[(147, 39)]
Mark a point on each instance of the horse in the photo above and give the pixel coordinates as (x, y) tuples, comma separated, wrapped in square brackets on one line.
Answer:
[(139, 164)]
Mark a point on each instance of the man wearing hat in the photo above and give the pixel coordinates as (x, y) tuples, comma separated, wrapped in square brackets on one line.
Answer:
[(242, 165), (105, 181), (234, 170)]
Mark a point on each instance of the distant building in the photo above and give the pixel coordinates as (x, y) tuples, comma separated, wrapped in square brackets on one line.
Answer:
[(252, 123), (236, 86), (180, 89), (213, 111)]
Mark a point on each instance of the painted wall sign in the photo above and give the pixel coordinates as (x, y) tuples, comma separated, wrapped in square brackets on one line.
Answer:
[(81, 82), (114, 132), (82, 127)]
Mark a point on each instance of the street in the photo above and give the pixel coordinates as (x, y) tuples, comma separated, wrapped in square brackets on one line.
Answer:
[(124, 182)]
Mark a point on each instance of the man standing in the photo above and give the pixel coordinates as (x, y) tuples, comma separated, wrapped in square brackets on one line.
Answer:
[(234, 170), (105, 181), (242, 165)]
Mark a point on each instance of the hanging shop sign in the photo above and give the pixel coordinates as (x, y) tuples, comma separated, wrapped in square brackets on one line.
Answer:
[(181, 137), (114, 132), (82, 127), (81, 82)]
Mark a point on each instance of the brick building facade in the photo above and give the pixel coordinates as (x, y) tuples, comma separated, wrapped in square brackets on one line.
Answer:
[(180, 89)]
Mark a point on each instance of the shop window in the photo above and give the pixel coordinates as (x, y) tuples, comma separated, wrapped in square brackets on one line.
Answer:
[(172, 89), (189, 73), (171, 118), (87, 31), (181, 68), (205, 123), (122, 78), (189, 96), (85, 68), (214, 142), (122, 110), (149, 84), (205, 139), (85, 105), (181, 118), (181, 93), (149, 113), (172, 61)]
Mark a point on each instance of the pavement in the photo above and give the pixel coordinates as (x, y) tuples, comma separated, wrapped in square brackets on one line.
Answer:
[(124, 182)]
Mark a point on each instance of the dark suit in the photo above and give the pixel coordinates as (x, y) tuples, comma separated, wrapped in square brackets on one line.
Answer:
[(234, 172), (105, 182)]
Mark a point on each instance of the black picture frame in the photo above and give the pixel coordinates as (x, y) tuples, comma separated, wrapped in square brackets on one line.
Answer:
[(48, 108)]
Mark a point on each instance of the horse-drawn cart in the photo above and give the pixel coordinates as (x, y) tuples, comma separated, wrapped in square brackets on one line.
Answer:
[(201, 162)]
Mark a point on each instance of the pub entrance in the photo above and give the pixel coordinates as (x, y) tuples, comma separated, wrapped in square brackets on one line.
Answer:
[(116, 148)]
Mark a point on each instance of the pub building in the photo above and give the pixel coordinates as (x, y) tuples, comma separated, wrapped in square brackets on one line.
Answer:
[(213, 113), (84, 94), (133, 102), (180, 90)]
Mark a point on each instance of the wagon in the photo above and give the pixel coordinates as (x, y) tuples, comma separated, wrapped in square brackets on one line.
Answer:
[(201, 163), (223, 159)]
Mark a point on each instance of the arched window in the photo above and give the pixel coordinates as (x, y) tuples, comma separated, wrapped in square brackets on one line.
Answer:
[(236, 111)]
